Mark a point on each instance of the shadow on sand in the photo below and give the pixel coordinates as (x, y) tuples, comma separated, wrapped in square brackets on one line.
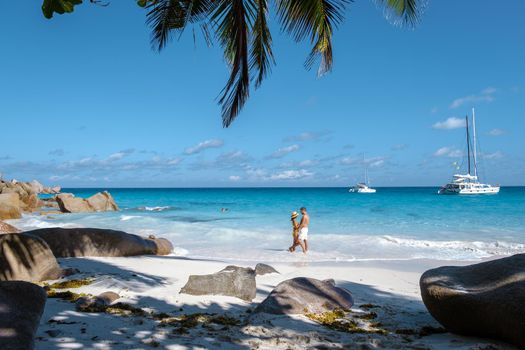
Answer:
[(63, 327)]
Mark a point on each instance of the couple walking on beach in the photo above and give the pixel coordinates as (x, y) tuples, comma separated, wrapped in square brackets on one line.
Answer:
[(300, 230)]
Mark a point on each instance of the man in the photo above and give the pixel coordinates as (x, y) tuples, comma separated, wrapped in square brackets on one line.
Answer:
[(303, 230)]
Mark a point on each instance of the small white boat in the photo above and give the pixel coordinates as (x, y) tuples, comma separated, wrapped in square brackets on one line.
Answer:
[(467, 183), (362, 187)]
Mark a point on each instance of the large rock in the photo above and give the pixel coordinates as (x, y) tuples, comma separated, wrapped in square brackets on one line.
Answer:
[(102, 201), (486, 299), (9, 205), (68, 203), (75, 242), (26, 258), (306, 295), (36, 187), (263, 269), (21, 307), (232, 281), (6, 228)]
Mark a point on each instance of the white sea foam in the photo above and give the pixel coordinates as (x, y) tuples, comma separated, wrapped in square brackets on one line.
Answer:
[(159, 208), (128, 217), (228, 240)]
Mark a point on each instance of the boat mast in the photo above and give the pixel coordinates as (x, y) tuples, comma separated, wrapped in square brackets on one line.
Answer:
[(468, 144), (475, 148), (366, 169)]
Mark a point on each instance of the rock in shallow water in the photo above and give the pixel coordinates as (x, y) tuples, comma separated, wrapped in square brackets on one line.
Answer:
[(102, 201), (306, 295), (21, 307), (77, 242), (485, 300), (26, 258), (232, 281)]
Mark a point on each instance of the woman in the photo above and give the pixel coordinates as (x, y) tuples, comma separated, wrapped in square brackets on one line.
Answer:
[(295, 232)]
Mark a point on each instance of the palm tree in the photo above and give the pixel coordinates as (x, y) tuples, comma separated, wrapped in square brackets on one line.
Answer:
[(241, 28)]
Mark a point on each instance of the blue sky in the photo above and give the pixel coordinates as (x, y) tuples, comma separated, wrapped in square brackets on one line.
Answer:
[(84, 101)]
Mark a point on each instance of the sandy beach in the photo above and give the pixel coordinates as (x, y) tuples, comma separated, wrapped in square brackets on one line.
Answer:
[(386, 295)]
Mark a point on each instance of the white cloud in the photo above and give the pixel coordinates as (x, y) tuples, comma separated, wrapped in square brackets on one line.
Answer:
[(496, 132), (377, 163), (213, 143), (309, 136), (450, 123), (486, 95), (281, 152), (348, 160), (291, 175), (448, 152), (234, 178), (59, 152), (493, 155)]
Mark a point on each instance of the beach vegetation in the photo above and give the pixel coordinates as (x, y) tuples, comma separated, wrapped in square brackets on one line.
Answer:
[(338, 320), (242, 29), (65, 295), (70, 284)]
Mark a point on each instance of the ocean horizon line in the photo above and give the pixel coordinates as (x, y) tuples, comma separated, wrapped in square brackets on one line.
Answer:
[(253, 187)]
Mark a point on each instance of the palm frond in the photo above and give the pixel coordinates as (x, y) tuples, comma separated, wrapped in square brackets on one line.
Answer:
[(315, 19), (233, 20), (407, 12), (166, 17), (261, 55)]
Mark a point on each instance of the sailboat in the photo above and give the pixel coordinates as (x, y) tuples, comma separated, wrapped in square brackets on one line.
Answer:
[(469, 183), (362, 187)]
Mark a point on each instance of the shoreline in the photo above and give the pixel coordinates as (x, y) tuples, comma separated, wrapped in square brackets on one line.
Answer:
[(154, 283)]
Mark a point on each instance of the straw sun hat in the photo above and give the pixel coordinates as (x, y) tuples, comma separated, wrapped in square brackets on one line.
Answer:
[(294, 215)]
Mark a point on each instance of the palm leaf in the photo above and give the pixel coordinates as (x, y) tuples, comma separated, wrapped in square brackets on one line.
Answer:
[(233, 20), (403, 11), (166, 17), (315, 19), (261, 55)]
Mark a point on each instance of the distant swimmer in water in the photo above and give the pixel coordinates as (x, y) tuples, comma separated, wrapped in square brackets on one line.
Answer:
[(224, 210), (295, 232), (303, 230)]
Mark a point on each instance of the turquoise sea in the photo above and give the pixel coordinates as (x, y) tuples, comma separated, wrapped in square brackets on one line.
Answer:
[(394, 223)]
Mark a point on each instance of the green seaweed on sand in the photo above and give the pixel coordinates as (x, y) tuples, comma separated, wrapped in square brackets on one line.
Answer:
[(337, 320), (185, 322), (70, 284), (369, 316), (67, 295), (123, 309)]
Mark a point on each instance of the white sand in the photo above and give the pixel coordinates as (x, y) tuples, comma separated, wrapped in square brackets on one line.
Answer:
[(154, 283)]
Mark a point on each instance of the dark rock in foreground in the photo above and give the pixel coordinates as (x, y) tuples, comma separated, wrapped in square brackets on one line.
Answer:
[(485, 300), (21, 307), (232, 281), (76, 242), (263, 269), (306, 295), (26, 258)]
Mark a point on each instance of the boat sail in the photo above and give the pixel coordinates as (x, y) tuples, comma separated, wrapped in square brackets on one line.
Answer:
[(363, 187), (468, 183)]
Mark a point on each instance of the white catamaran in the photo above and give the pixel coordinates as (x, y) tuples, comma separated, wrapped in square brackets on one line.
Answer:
[(468, 183), (362, 187)]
